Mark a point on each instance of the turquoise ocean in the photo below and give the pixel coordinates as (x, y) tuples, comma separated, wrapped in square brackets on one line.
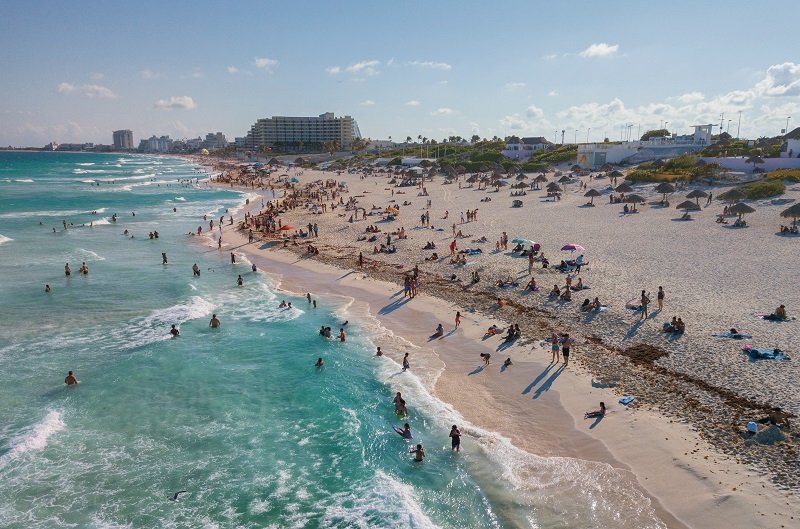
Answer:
[(236, 416)]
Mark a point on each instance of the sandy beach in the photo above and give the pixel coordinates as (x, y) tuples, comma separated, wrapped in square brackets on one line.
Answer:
[(683, 438)]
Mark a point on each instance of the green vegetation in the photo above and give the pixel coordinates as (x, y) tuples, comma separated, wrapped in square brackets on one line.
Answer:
[(640, 175), (763, 188), (790, 175), (660, 133), (564, 153)]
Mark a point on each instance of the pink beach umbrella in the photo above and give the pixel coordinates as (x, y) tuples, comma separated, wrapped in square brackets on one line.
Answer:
[(573, 247)]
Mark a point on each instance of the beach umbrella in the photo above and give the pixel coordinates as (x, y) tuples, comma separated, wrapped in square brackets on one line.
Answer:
[(521, 177), (576, 168), (461, 169), (616, 174), (740, 209), (592, 193), (635, 199), (623, 188), (565, 180), (553, 187), (572, 247), (523, 241), (792, 213), (606, 167), (698, 194), (520, 185), (688, 205), (485, 179), (734, 195), (501, 183), (472, 179), (287, 227), (541, 178), (665, 188), (754, 160), (659, 163)]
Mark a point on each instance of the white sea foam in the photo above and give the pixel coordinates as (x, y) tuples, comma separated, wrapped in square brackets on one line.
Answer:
[(180, 199), (3, 239), (101, 222), (24, 180), (32, 439), (85, 164)]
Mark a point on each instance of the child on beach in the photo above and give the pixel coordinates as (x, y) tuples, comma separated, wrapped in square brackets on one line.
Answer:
[(419, 453), (554, 347)]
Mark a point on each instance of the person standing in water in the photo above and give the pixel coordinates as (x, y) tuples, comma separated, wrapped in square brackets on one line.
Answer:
[(195, 269), (319, 363), (455, 438), (84, 268), (419, 453), (47, 289), (214, 323), (70, 380), (240, 281), (174, 331), (163, 257), (67, 270), (406, 365)]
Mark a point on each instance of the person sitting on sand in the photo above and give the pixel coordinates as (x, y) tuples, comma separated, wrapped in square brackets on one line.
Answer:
[(439, 331), (532, 285), (680, 327), (555, 292), (566, 295), (778, 315), (596, 304), (579, 285), (475, 277), (586, 306), (494, 329), (671, 326), (508, 363), (596, 413)]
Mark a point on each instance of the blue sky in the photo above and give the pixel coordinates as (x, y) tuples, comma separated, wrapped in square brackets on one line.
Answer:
[(74, 72)]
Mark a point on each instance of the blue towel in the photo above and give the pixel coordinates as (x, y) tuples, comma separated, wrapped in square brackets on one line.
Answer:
[(626, 400), (764, 354), (727, 334)]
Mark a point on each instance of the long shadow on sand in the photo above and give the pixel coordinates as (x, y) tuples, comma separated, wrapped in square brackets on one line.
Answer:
[(538, 379), (549, 382), (596, 422), (477, 370), (634, 329), (393, 306)]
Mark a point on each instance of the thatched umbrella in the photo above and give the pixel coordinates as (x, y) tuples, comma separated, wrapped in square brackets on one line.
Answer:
[(754, 160), (461, 169), (565, 180), (606, 167), (658, 164), (592, 193), (616, 174), (698, 194), (553, 188), (792, 213), (472, 179), (497, 176), (519, 185), (521, 177), (500, 183), (576, 168), (540, 179), (688, 205), (740, 209), (274, 161), (623, 188), (734, 195), (484, 168), (634, 199), (665, 189)]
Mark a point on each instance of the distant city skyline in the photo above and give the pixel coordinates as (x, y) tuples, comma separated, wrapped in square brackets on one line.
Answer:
[(78, 72)]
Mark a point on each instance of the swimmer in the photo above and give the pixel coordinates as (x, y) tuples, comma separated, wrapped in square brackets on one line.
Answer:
[(70, 380), (319, 363), (174, 331), (84, 268), (314, 303), (163, 257), (47, 288), (308, 297), (342, 336), (379, 352), (196, 269), (289, 305), (240, 281), (175, 496), (455, 438), (214, 323), (67, 269), (419, 453), (345, 322), (282, 305)]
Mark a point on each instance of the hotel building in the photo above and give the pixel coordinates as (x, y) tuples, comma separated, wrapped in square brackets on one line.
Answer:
[(302, 133)]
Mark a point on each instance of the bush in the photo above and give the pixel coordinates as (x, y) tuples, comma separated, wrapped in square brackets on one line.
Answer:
[(487, 157), (396, 161), (639, 175), (763, 189), (790, 175)]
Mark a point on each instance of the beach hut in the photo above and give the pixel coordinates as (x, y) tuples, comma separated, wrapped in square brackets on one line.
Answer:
[(299, 161), (472, 179), (665, 189), (623, 188), (519, 185), (733, 195), (740, 208), (698, 194), (591, 194)]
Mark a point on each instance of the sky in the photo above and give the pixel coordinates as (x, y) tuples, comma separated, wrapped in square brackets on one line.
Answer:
[(76, 71)]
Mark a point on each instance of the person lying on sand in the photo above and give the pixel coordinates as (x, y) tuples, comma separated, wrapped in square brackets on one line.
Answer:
[(596, 413), (566, 295), (778, 315), (494, 329)]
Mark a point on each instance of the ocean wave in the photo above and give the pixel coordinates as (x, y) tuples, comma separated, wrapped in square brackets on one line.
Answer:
[(101, 222), (181, 199), (32, 439), (26, 214), (24, 180), (3, 239), (85, 164)]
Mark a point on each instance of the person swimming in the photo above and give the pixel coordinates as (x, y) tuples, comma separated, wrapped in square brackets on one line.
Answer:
[(70, 380), (174, 331), (419, 452), (319, 363)]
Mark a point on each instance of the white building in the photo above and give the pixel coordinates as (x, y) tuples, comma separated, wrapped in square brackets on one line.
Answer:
[(123, 140), (791, 145), (525, 147), (299, 133), (597, 154), (215, 141)]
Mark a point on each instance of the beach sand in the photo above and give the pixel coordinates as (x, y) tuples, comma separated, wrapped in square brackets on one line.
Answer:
[(682, 437)]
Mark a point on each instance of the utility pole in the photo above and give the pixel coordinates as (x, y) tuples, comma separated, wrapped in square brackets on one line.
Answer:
[(738, 127), (562, 136), (587, 134), (721, 121)]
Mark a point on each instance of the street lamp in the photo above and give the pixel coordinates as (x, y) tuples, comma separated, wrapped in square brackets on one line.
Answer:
[(587, 134), (576, 135), (787, 123), (728, 130), (739, 126)]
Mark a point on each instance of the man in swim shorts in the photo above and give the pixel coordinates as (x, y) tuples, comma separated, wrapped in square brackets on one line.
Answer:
[(455, 438), (70, 380), (163, 257), (174, 331), (419, 453), (214, 323), (67, 270)]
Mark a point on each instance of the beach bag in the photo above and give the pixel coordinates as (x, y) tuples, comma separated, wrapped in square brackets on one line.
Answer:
[(752, 427)]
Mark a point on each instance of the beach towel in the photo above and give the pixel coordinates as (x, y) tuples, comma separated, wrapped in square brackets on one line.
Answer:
[(601, 309), (765, 318), (626, 400), (633, 304), (727, 334), (764, 354)]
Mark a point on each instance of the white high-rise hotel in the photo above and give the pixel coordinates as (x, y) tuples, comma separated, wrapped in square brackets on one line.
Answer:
[(123, 140), (302, 132)]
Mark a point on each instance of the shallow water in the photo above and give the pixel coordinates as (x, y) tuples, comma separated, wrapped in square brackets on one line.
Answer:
[(237, 416)]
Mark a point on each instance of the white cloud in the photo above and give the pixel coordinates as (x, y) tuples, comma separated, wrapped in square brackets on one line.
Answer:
[(443, 82), (390, 62), (89, 90), (232, 69), (534, 112), (367, 103), (413, 103), (442, 112), (691, 97), (97, 76), (431, 64), (512, 86), (551, 57), (600, 50), (265, 63), (176, 103), (149, 74), (333, 70), (552, 93), (365, 67), (781, 80), (514, 122), (197, 74)]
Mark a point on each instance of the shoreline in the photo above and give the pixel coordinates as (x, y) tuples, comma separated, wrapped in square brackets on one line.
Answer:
[(667, 456)]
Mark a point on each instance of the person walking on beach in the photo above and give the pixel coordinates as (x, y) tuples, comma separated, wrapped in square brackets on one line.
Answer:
[(660, 298), (406, 365), (458, 318), (530, 263), (645, 303), (554, 347), (360, 260), (455, 438)]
